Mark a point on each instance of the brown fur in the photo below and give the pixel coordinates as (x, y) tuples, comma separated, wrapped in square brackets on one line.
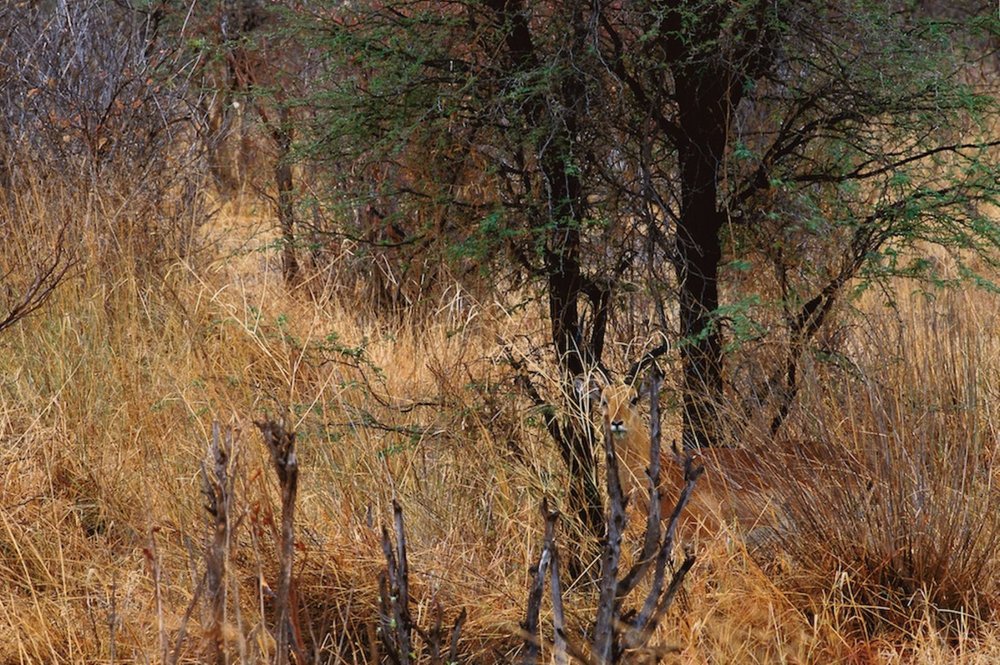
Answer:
[(631, 434), (733, 487)]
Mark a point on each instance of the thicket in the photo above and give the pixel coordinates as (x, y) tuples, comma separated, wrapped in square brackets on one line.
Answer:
[(708, 187), (632, 163)]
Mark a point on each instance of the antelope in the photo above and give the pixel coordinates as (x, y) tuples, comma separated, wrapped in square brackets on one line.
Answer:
[(734, 485)]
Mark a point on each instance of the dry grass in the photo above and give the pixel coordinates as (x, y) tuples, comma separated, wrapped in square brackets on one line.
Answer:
[(108, 396)]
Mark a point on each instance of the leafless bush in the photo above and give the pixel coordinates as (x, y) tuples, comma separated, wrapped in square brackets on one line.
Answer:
[(280, 442), (396, 625), (901, 525), (617, 631), (95, 97), (218, 489)]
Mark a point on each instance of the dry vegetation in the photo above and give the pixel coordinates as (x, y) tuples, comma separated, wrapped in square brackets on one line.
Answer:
[(177, 298), (110, 391)]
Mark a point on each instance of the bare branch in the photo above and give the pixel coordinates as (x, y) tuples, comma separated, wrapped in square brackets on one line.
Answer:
[(47, 278), (280, 443), (530, 627)]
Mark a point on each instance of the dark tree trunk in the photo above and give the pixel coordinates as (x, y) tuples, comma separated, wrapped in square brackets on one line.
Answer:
[(703, 102), (708, 86), (565, 287), (220, 158), (562, 269), (282, 134), (575, 440), (576, 353)]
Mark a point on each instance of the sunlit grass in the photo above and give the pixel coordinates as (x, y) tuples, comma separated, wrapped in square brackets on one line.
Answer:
[(107, 399)]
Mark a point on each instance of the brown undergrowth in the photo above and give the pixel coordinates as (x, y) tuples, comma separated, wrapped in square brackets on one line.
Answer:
[(108, 397)]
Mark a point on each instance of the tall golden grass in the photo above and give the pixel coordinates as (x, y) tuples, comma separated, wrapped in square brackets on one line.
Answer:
[(109, 393)]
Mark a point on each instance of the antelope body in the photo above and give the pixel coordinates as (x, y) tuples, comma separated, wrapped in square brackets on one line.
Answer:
[(734, 487)]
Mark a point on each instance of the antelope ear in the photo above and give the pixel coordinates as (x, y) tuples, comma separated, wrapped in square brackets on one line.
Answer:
[(644, 388), (586, 390), (640, 393), (676, 453)]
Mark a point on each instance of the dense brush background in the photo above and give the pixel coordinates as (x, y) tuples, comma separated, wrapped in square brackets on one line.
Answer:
[(110, 391), (172, 311)]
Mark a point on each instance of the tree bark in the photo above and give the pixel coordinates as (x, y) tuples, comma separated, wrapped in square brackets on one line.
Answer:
[(282, 135), (703, 101), (562, 270)]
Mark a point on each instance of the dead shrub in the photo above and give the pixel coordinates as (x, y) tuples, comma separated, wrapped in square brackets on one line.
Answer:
[(898, 525)]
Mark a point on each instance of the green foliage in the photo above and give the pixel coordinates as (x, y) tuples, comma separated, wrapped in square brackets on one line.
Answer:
[(487, 238), (548, 140)]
